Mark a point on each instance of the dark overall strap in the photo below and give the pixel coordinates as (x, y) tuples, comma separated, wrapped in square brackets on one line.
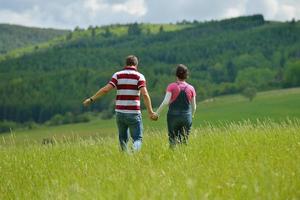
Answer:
[(181, 104)]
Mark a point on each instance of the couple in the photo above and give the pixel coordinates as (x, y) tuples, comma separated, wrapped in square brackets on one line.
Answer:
[(180, 96)]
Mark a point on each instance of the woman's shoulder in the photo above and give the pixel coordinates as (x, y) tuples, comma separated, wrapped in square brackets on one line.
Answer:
[(171, 86), (191, 86)]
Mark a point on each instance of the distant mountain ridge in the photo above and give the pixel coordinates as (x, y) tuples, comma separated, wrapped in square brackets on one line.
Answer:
[(16, 36)]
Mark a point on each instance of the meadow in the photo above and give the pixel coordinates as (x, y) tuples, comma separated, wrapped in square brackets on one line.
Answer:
[(230, 155), (236, 161)]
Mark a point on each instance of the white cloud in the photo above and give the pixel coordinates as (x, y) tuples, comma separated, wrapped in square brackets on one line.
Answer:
[(232, 12), (267, 7), (132, 7), (70, 13), (27, 17), (287, 12), (95, 5), (275, 9)]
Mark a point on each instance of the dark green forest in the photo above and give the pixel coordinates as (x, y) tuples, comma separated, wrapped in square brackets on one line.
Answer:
[(14, 36), (224, 57)]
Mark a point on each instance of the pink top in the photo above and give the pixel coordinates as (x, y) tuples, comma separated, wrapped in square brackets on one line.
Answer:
[(173, 88)]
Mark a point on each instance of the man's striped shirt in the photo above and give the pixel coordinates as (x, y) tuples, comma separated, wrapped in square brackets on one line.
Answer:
[(128, 83)]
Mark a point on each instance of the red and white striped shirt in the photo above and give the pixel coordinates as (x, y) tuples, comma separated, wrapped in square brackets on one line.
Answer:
[(128, 83)]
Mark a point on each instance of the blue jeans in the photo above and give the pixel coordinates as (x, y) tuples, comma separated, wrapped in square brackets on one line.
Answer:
[(179, 127), (130, 124)]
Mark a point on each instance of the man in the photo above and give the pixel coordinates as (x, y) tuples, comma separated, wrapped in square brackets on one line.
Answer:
[(129, 84)]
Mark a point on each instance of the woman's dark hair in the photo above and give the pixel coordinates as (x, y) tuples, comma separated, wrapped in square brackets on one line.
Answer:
[(182, 72), (131, 60)]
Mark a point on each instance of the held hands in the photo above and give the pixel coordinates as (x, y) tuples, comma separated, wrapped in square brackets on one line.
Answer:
[(154, 116)]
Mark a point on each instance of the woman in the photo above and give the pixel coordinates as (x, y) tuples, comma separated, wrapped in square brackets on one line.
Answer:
[(181, 98)]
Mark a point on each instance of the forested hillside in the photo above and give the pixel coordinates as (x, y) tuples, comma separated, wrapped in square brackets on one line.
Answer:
[(224, 57), (13, 36)]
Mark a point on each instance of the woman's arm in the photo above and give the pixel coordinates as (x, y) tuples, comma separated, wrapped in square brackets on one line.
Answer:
[(165, 102), (194, 105)]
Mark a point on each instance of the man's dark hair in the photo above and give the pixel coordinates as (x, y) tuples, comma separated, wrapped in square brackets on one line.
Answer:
[(131, 60), (182, 72)]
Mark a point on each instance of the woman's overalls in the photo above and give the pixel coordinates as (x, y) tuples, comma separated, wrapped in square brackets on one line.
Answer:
[(179, 119)]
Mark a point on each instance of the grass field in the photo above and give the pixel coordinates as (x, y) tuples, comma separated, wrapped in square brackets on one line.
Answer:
[(236, 161), (237, 150)]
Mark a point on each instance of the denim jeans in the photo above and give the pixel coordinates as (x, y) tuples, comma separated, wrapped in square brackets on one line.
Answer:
[(130, 124), (179, 127)]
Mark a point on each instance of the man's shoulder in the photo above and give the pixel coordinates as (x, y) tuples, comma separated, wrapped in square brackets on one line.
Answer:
[(141, 75), (138, 74)]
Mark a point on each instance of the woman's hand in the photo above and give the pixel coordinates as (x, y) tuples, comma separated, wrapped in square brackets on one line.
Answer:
[(154, 116)]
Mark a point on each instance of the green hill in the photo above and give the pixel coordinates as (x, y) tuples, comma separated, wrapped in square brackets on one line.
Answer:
[(224, 57), (14, 36)]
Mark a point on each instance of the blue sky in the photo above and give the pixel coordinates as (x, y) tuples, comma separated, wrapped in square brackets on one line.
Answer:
[(70, 13)]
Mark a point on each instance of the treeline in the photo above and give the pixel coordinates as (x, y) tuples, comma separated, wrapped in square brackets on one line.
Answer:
[(224, 57), (13, 36)]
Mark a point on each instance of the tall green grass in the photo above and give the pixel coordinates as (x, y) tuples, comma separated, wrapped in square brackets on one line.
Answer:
[(241, 160)]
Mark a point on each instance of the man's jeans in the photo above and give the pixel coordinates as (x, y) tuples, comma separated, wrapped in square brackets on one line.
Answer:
[(179, 127), (130, 124)]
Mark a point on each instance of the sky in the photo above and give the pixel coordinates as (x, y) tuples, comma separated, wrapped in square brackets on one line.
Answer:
[(67, 14)]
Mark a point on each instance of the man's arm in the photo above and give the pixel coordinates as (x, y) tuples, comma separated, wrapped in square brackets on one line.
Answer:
[(102, 91), (147, 101)]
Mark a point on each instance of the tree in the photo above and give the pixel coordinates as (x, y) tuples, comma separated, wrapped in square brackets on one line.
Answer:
[(93, 32), (69, 36), (292, 74), (77, 28), (249, 92), (231, 71), (222, 59), (217, 73), (253, 77), (161, 29), (107, 32), (293, 21), (134, 29)]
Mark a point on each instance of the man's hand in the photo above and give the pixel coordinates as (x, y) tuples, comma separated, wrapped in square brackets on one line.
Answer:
[(87, 102), (102, 91), (154, 116)]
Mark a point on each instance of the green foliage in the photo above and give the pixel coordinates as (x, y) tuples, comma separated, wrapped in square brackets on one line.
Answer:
[(292, 74), (255, 77), (11, 126), (224, 57), (134, 29), (68, 118), (217, 110), (56, 120), (107, 114), (7, 126), (249, 92), (12, 36)]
